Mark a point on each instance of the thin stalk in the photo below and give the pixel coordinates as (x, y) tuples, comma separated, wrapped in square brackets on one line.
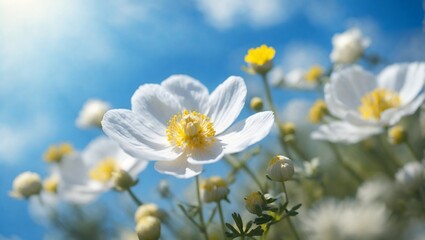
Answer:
[(201, 212), (291, 225), (346, 166), (134, 197), (220, 211)]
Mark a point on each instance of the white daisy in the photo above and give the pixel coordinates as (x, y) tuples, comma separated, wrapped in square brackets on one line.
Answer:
[(366, 104), (348, 46), (83, 176), (334, 220), (182, 126)]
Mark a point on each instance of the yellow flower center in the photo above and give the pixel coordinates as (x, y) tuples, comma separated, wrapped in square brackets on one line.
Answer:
[(55, 153), (104, 170), (190, 129), (51, 184), (317, 111), (260, 55), (376, 102), (314, 73)]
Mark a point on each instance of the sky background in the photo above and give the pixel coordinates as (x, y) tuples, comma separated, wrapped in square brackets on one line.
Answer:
[(56, 54)]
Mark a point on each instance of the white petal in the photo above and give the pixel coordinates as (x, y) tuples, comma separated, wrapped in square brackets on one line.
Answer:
[(407, 79), (155, 104), (207, 155), (130, 164), (226, 102), (99, 149), (135, 137), (246, 132), (191, 94), (343, 132), (346, 88), (81, 194), (393, 115), (180, 168), (73, 170)]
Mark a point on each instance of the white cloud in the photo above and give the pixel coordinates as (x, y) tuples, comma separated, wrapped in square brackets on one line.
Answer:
[(324, 13), (20, 138), (258, 13), (303, 55)]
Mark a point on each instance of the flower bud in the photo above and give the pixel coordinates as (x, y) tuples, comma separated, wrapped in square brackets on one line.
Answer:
[(280, 169), (148, 228), (314, 73), (91, 114), (55, 153), (26, 185), (122, 180), (396, 135), (256, 104), (288, 128), (214, 189), (255, 203), (164, 189), (317, 111), (149, 209), (260, 59), (50, 184)]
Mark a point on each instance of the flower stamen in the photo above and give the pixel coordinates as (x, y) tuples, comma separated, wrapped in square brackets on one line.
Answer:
[(374, 103), (104, 170)]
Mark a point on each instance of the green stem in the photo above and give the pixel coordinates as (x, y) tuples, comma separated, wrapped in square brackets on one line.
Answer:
[(346, 166), (412, 151), (291, 225), (134, 197), (220, 211), (201, 212), (236, 164)]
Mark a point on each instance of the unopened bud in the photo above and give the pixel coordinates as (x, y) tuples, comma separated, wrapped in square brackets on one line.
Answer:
[(317, 111), (149, 209), (280, 168), (214, 189), (396, 135), (257, 104), (255, 203), (122, 180), (26, 185), (288, 128), (148, 228)]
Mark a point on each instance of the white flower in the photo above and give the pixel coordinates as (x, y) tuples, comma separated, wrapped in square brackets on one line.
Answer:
[(348, 46), (311, 168), (26, 185), (92, 113), (411, 176), (83, 176), (277, 77), (366, 104), (182, 126), (333, 220), (376, 190)]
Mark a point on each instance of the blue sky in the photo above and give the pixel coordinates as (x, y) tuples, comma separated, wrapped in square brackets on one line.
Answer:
[(54, 55)]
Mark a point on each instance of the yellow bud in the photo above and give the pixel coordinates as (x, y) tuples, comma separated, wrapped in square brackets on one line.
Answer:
[(214, 189), (396, 135), (280, 168), (260, 59), (50, 184), (317, 111), (26, 185), (288, 128), (55, 153), (314, 73), (122, 180), (255, 203), (256, 104), (149, 209), (148, 228)]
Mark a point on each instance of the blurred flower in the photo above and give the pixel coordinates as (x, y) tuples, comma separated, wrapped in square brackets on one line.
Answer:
[(180, 125), (348, 46), (411, 176), (256, 104), (214, 189), (149, 209), (92, 113), (255, 203), (164, 189), (276, 77), (347, 219), (311, 168), (366, 104), (396, 135), (86, 175), (296, 78), (122, 180), (148, 228), (26, 185), (55, 153), (314, 73), (288, 128), (51, 184), (260, 59), (378, 189), (280, 169), (317, 111)]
